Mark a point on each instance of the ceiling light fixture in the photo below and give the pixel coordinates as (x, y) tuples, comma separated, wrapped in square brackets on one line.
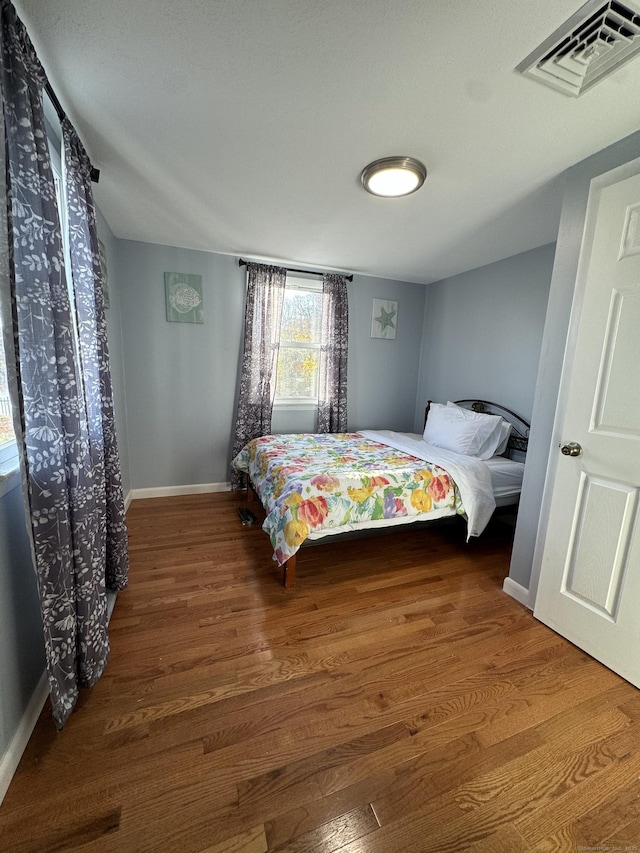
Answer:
[(393, 176)]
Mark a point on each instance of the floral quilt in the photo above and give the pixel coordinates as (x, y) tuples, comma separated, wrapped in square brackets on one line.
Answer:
[(311, 482)]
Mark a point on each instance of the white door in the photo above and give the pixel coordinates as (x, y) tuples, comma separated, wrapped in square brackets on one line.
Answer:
[(589, 587)]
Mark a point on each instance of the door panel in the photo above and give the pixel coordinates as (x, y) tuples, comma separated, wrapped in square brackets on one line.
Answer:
[(599, 547), (617, 411)]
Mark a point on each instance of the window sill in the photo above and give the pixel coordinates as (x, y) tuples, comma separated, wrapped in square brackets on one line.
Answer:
[(9, 478), (299, 405)]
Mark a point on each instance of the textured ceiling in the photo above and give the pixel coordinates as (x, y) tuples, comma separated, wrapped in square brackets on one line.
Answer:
[(241, 126)]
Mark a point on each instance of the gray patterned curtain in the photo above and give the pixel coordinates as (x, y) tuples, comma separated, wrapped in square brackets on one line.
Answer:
[(332, 393), (60, 456), (262, 319), (86, 275)]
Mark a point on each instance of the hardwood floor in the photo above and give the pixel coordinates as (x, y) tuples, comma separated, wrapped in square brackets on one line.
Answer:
[(397, 700)]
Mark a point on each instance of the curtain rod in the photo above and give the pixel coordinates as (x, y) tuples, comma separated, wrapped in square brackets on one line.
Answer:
[(243, 263), (95, 173)]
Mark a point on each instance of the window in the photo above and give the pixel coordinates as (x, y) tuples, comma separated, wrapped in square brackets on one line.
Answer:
[(299, 356), (8, 450)]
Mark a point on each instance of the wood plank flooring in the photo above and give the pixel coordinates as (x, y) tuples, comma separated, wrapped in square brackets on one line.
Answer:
[(396, 701)]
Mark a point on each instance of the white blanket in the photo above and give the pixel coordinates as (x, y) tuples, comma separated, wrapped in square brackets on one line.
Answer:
[(471, 476)]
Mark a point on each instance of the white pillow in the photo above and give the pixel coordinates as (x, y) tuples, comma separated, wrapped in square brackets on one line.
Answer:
[(505, 432), (462, 431)]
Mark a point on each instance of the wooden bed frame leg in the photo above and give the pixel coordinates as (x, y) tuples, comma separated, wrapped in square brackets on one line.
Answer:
[(251, 495), (289, 573)]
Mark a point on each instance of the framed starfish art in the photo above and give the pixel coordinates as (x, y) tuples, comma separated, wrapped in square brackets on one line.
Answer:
[(384, 319)]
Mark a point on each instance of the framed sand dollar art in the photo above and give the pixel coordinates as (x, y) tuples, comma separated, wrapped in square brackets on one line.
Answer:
[(184, 297)]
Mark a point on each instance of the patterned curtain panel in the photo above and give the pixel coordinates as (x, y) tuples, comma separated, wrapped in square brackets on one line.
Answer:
[(87, 274), (332, 394), (262, 320), (63, 487)]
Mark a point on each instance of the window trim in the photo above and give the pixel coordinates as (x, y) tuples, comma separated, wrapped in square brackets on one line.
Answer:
[(298, 403), (10, 476), (9, 466), (8, 456)]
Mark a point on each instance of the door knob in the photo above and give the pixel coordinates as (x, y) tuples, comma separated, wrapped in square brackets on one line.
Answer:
[(572, 448)]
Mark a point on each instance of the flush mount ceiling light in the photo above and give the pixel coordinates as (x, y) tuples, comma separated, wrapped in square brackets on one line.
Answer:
[(393, 176)]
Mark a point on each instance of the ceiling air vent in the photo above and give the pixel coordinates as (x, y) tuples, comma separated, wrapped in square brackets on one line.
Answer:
[(588, 47)]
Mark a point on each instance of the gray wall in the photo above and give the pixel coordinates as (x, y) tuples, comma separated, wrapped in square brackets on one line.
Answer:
[(383, 373), (181, 379), (533, 514), (483, 331), (21, 647)]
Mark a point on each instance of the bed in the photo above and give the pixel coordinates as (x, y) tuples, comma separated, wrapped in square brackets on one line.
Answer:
[(317, 486)]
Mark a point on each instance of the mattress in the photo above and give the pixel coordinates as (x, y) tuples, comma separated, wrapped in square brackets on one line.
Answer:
[(506, 476)]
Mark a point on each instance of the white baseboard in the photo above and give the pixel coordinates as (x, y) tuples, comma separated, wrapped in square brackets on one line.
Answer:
[(127, 500), (172, 491), (11, 758), (520, 593)]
